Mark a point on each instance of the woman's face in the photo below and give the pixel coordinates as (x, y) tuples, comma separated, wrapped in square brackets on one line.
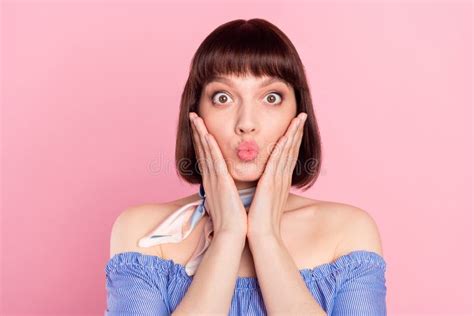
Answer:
[(237, 109)]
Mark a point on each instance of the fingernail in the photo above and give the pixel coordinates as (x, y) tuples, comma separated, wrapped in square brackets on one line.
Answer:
[(303, 118)]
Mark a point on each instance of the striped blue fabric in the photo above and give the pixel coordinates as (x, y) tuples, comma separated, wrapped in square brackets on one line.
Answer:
[(139, 284)]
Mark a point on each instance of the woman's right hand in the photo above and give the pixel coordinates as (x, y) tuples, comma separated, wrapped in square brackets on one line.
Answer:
[(223, 202)]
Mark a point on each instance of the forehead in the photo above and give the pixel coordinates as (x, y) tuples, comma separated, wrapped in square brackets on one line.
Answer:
[(259, 81)]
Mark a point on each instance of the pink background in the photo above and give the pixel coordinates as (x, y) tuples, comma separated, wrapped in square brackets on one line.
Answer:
[(90, 95)]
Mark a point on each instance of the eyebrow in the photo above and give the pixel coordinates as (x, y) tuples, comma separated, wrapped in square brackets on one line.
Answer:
[(265, 83)]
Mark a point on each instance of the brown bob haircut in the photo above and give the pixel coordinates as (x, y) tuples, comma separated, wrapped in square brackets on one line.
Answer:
[(259, 48)]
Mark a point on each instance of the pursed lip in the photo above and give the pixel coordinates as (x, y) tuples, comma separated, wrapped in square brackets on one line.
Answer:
[(248, 145)]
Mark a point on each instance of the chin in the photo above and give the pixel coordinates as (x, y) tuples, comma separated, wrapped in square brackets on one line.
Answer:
[(246, 171), (246, 178)]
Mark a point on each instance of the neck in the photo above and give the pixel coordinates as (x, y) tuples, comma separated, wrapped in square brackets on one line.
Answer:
[(240, 185)]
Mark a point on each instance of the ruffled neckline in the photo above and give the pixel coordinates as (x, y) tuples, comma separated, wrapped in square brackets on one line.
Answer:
[(168, 266)]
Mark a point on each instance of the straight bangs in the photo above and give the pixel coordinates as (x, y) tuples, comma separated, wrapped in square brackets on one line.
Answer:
[(247, 50)]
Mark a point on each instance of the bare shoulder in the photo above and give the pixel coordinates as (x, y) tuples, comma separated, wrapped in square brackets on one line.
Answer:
[(357, 228), (133, 223), (345, 227)]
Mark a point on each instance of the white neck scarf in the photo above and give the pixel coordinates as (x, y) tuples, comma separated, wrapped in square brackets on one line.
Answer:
[(181, 222)]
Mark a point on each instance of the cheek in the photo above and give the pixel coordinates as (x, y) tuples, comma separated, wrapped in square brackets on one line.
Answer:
[(222, 136), (274, 135), (280, 126), (216, 129)]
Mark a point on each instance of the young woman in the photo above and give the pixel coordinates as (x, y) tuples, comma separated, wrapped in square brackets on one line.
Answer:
[(245, 245)]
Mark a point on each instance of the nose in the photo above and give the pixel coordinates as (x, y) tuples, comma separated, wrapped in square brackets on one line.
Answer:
[(245, 129), (246, 121)]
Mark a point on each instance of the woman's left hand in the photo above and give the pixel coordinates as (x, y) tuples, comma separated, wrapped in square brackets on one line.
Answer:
[(273, 187)]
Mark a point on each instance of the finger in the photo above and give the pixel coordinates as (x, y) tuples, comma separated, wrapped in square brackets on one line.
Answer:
[(216, 154), (276, 162), (292, 129), (201, 127), (194, 135), (295, 147), (272, 162), (198, 147)]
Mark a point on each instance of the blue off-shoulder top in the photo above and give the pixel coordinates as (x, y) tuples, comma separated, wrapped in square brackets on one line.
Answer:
[(139, 284)]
